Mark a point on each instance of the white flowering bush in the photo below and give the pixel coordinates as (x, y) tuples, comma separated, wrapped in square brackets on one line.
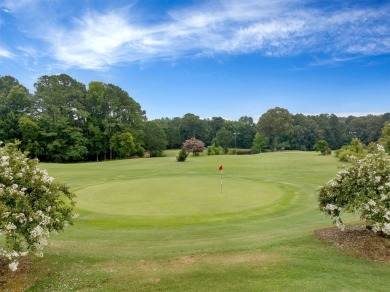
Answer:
[(32, 205), (362, 187)]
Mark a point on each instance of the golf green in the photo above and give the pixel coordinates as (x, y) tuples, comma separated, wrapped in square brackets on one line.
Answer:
[(167, 198)]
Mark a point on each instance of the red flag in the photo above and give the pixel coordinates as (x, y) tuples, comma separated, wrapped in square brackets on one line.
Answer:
[(220, 168)]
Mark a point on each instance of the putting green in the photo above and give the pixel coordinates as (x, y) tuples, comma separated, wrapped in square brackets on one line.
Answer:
[(169, 198)]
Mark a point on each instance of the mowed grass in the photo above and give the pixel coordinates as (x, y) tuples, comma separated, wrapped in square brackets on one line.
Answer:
[(159, 225)]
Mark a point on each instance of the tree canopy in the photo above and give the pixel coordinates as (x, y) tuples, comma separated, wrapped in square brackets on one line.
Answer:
[(66, 121)]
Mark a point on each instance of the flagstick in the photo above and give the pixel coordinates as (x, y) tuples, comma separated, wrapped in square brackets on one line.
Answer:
[(221, 181)]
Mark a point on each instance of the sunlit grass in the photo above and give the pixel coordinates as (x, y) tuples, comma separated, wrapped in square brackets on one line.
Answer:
[(157, 224)]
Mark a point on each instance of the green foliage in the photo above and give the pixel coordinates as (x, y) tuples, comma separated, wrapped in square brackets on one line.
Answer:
[(66, 121), (155, 139), (224, 138), (194, 145), (31, 205), (123, 144), (139, 150), (214, 150), (182, 156), (259, 143), (385, 138), (192, 126), (354, 149), (275, 123), (323, 147), (242, 151), (362, 187), (247, 131)]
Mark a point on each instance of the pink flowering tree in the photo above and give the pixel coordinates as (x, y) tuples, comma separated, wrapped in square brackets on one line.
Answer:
[(32, 205), (364, 187), (194, 145)]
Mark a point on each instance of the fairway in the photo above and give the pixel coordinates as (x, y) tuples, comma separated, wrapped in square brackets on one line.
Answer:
[(158, 225)]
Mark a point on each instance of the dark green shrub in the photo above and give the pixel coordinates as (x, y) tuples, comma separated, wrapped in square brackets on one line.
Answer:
[(182, 156), (323, 147)]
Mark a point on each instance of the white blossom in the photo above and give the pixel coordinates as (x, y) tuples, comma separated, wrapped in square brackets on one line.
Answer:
[(331, 207), (386, 228), (37, 231), (376, 227), (13, 266), (380, 148), (6, 214), (10, 226), (332, 183)]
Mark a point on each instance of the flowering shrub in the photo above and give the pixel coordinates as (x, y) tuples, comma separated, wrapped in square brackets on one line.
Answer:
[(364, 187), (31, 205), (194, 145)]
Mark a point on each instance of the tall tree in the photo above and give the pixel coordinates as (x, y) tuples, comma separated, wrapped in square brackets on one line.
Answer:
[(61, 115), (98, 144), (191, 126), (111, 111), (245, 132), (224, 138), (155, 140), (259, 143), (275, 123), (6, 84), (14, 104)]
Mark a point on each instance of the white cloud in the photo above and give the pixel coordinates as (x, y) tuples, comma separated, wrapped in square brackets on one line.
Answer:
[(6, 54), (6, 10), (282, 27)]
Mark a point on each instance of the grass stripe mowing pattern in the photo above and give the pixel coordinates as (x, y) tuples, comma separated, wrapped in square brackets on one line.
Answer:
[(156, 224)]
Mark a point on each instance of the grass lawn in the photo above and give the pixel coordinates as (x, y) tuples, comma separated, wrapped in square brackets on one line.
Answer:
[(156, 224)]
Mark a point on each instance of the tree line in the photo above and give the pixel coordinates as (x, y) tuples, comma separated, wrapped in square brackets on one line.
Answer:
[(66, 121)]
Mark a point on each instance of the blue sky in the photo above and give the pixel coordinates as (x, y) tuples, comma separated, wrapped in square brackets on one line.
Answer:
[(227, 58)]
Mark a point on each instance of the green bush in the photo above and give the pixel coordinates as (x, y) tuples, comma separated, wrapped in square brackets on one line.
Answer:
[(182, 156), (31, 205), (214, 150), (363, 187), (354, 149), (323, 147)]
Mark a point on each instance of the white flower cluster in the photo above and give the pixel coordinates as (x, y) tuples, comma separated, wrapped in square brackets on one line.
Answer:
[(332, 183), (11, 256), (332, 207), (31, 205), (364, 187)]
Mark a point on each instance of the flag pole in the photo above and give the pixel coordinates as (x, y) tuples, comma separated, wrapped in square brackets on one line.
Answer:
[(220, 168)]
